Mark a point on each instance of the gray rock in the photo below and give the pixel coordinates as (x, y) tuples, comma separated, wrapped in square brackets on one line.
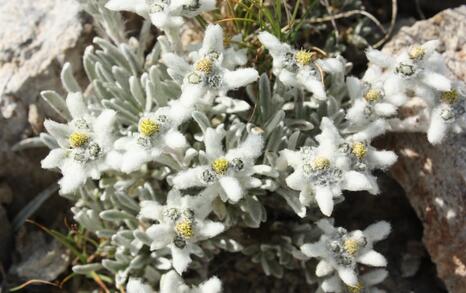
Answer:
[(40, 259), (434, 176), (36, 39)]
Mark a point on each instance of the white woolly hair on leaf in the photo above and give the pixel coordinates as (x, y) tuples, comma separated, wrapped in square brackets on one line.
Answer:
[(378, 231), (240, 77)]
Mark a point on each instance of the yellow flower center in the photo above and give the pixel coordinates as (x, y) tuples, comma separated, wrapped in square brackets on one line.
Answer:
[(351, 246), (304, 57), (78, 139), (359, 150), (184, 228), (147, 127), (356, 289), (220, 166), (417, 53), (449, 97), (320, 163), (204, 65), (373, 95)]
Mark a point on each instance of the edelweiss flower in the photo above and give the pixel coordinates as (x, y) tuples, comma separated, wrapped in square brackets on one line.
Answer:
[(421, 64), (365, 284), (448, 113), (370, 102), (181, 224), (340, 250), (296, 68), (157, 133), (83, 144), (164, 14), (138, 286), (323, 171), (171, 282), (207, 78), (228, 174)]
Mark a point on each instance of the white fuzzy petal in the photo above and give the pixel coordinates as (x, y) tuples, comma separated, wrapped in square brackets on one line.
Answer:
[(136, 6), (213, 285), (151, 210), (232, 188), (74, 175), (272, 44), (324, 198), (239, 78), (379, 58), (181, 259), (348, 276), (213, 40), (54, 159), (252, 147), (356, 181), (296, 180), (188, 178), (133, 159), (381, 159), (314, 86), (103, 127), (332, 284), (372, 258), (58, 130), (438, 128), (209, 229), (161, 235), (323, 268), (385, 109), (171, 282), (436, 81), (175, 140)]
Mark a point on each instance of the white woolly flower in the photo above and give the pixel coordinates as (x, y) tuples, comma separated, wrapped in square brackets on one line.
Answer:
[(419, 65), (171, 282), (366, 283), (324, 171), (448, 114), (340, 251), (370, 102), (207, 78), (298, 68), (83, 144), (164, 14), (157, 134), (229, 173), (181, 223)]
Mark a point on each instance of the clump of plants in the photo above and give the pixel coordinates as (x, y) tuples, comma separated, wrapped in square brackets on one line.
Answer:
[(180, 151)]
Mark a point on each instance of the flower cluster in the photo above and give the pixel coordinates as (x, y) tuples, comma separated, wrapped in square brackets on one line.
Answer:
[(175, 156)]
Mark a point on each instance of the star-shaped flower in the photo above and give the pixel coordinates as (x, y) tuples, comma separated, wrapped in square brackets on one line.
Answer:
[(157, 134), (448, 113), (83, 144), (323, 171), (419, 65), (339, 250), (164, 14), (208, 77), (181, 223), (228, 174), (297, 68)]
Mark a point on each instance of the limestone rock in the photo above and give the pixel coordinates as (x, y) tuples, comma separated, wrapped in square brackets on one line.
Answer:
[(36, 39), (434, 177)]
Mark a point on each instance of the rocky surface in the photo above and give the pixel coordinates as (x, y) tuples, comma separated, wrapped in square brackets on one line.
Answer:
[(36, 39), (433, 177)]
